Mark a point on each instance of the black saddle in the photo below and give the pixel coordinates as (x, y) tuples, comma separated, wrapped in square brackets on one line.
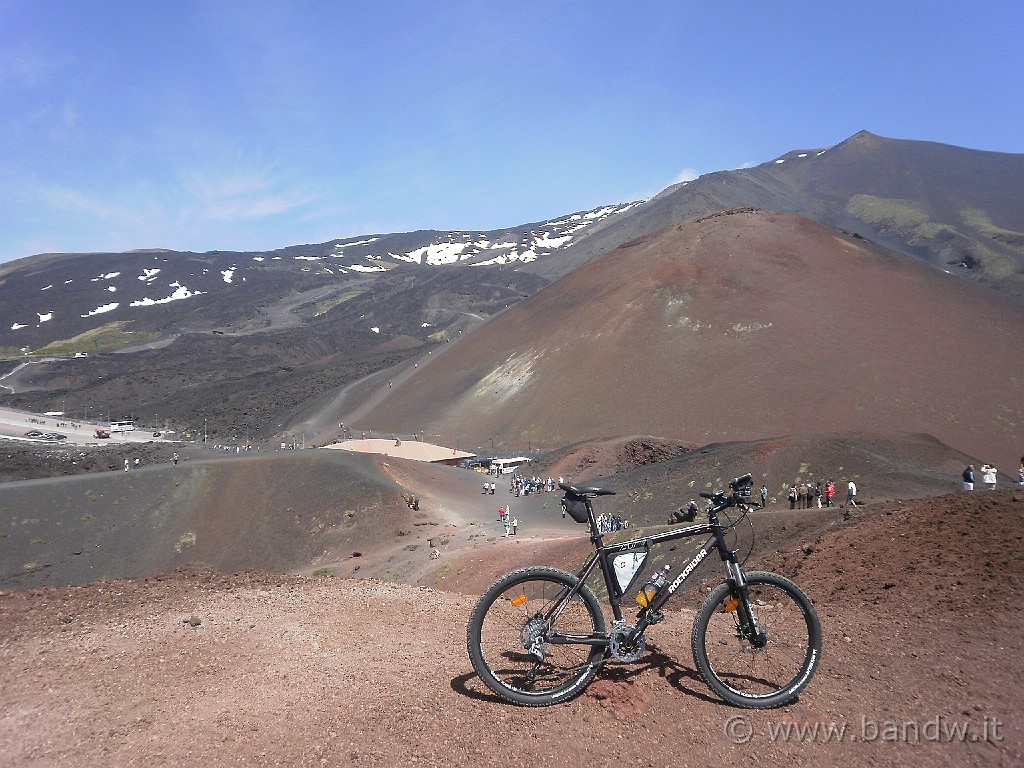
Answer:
[(585, 490)]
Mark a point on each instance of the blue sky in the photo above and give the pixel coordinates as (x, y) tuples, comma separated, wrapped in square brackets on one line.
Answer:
[(255, 125)]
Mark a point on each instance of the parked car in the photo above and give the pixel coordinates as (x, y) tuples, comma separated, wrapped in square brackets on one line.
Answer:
[(33, 433), (102, 433), (54, 436)]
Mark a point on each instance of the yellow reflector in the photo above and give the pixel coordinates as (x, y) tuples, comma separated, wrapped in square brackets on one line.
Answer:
[(645, 597), (517, 601), (733, 604)]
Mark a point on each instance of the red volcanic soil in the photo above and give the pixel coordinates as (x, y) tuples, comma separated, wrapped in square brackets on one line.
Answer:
[(738, 326), (919, 653)]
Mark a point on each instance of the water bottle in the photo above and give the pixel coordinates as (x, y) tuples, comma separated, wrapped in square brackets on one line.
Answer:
[(651, 589)]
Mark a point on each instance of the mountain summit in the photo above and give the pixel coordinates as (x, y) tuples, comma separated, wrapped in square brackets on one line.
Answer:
[(958, 209)]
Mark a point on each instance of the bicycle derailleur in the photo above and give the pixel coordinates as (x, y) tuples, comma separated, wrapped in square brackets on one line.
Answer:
[(534, 636)]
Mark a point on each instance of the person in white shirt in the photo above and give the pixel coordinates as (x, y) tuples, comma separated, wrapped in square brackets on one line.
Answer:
[(988, 476)]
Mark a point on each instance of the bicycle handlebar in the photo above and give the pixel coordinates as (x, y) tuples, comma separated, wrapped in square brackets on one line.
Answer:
[(720, 497), (746, 479)]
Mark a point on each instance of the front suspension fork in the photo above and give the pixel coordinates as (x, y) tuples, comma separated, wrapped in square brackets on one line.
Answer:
[(747, 625)]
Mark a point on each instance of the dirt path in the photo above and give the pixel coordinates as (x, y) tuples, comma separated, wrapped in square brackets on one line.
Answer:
[(351, 403), (461, 522)]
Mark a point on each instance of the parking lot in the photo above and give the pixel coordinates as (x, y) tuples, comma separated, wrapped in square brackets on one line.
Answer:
[(54, 429)]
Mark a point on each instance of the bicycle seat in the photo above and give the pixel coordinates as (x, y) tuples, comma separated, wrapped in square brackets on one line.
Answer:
[(585, 490)]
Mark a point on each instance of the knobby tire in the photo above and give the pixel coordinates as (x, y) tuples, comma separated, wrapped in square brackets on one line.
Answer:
[(517, 609), (748, 674)]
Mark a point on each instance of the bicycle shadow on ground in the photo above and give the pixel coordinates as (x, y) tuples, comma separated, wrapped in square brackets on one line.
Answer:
[(675, 674), (460, 684)]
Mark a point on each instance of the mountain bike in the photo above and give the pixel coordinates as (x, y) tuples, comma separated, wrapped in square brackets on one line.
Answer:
[(538, 636)]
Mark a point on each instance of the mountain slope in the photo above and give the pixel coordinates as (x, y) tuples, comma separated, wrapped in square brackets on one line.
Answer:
[(255, 343), (739, 325), (955, 208), (58, 297)]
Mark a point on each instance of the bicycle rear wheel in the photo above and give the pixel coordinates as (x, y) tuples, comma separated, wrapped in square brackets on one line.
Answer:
[(762, 666), (507, 637)]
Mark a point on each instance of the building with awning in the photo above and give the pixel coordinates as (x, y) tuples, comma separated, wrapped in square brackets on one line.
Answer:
[(415, 450)]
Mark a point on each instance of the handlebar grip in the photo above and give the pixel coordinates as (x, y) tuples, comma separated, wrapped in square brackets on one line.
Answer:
[(707, 495), (742, 480)]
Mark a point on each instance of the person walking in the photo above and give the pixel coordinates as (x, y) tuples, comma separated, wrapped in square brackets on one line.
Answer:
[(764, 496), (174, 458), (817, 493), (1020, 475), (830, 494), (968, 477), (988, 476), (515, 525), (792, 497), (126, 465), (851, 494)]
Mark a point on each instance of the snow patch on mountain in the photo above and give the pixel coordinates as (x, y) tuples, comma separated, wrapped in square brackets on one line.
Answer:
[(101, 309), (180, 292)]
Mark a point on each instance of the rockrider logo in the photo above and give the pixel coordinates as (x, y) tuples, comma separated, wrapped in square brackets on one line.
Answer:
[(687, 571)]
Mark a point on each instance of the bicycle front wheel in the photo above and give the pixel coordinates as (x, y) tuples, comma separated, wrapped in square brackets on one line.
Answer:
[(764, 664), (509, 630)]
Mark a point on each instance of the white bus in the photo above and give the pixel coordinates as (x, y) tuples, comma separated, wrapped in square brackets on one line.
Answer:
[(508, 466), (122, 426)]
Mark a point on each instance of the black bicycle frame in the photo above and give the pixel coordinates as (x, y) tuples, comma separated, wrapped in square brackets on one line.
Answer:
[(602, 557)]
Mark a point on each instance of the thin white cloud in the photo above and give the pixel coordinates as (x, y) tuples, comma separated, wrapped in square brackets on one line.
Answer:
[(93, 206), (23, 66), (687, 174), (144, 213), (242, 196), (69, 115)]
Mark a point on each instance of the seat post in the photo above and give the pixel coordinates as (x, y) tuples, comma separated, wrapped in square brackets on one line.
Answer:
[(595, 532)]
